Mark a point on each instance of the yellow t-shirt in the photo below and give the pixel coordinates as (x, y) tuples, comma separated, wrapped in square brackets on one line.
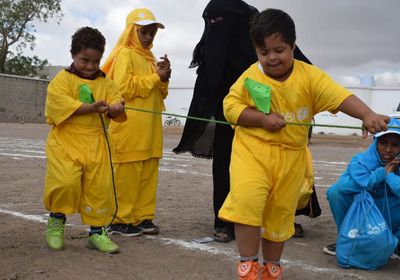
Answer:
[(140, 137), (63, 99), (306, 92)]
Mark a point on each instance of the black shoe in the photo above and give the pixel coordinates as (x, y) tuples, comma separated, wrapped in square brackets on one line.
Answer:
[(148, 227), (330, 249), (223, 235), (298, 230), (124, 230)]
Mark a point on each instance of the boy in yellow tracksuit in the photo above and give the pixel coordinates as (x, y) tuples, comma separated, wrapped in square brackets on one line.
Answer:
[(269, 159), (79, 101), (138, 144)]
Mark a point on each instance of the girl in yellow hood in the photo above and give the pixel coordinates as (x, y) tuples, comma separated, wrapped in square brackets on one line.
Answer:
[(143, 83)]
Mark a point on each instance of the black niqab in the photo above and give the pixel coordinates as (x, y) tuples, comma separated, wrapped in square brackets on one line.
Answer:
[(223, 53)]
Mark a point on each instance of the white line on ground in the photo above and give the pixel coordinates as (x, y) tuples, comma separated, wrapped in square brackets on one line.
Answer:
[(323, 186), (190, 245), (176, 159), (173, 164), (331, 162), (28, 217), (21, 155), (182, 171)]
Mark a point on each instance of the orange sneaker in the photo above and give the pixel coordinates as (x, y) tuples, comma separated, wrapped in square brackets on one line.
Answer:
[(272, 271), (249, 270)]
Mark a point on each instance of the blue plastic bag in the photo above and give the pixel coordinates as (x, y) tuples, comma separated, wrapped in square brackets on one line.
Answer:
[(365, 241)]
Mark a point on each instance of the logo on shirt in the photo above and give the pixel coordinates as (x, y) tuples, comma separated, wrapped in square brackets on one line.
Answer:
[(301, 115)]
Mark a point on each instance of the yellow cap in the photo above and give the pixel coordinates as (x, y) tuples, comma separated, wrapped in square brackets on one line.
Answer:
[(142, 17)]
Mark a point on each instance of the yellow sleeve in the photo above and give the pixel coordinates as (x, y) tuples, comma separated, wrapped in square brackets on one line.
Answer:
[(113, 95), (164, 89), (61, 101), (328, 94), (134, 75), (236, 101)]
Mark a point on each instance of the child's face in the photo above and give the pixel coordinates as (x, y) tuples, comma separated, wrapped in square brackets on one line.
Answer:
[(146, 35), (87, 62), (388, 146), (276, 57)]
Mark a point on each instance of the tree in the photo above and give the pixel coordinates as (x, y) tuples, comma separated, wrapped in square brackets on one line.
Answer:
[(16, 31), (24, 66)]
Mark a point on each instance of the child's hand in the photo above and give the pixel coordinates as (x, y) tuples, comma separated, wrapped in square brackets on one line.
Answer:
[(164, 63), (164, 74), (273, 122), (392, 165), (99, 106), (116, 109), (374, 123), (163, 69)]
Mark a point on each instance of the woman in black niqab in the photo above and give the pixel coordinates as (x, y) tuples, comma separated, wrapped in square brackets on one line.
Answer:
[(224, 52)]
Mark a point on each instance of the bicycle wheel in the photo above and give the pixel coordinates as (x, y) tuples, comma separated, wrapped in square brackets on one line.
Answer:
[(177, 122)]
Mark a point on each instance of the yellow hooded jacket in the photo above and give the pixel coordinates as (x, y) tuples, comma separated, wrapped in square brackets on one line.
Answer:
[(133, 70)]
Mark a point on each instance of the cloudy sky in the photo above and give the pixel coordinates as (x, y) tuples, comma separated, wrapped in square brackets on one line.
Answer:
[(347, 38)]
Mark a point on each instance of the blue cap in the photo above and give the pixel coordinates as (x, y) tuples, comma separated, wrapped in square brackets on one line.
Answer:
[(393, 122)]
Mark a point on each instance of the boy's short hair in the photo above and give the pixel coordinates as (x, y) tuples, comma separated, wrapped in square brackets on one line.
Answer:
[(87, 38), (269, 22)]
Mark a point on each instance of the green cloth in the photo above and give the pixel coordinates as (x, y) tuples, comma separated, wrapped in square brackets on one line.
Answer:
[(260, 93), (85, 94)]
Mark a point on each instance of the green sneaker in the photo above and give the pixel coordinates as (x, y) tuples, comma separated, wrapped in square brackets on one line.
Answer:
[(102, 242), (55, 233)]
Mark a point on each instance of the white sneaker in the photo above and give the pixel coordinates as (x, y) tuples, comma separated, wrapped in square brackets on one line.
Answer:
[(396, 253), (330, 249), (395, 256)]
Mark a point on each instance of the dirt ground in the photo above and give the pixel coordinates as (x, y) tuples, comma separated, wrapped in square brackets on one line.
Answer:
[(184, 212)]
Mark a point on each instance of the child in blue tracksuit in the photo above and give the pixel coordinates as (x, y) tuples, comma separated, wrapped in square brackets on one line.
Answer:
[(371, 170)]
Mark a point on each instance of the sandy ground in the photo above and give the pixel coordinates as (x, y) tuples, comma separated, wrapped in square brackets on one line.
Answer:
[(184, 212)]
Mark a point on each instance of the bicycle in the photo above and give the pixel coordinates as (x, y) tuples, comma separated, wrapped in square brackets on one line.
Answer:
[(172, 121)]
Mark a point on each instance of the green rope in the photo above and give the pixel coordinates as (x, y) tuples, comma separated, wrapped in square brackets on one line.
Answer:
[(180, 116), (228, 123)]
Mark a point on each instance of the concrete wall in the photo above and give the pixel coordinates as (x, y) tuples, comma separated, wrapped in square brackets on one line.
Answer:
[(22, 99)]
